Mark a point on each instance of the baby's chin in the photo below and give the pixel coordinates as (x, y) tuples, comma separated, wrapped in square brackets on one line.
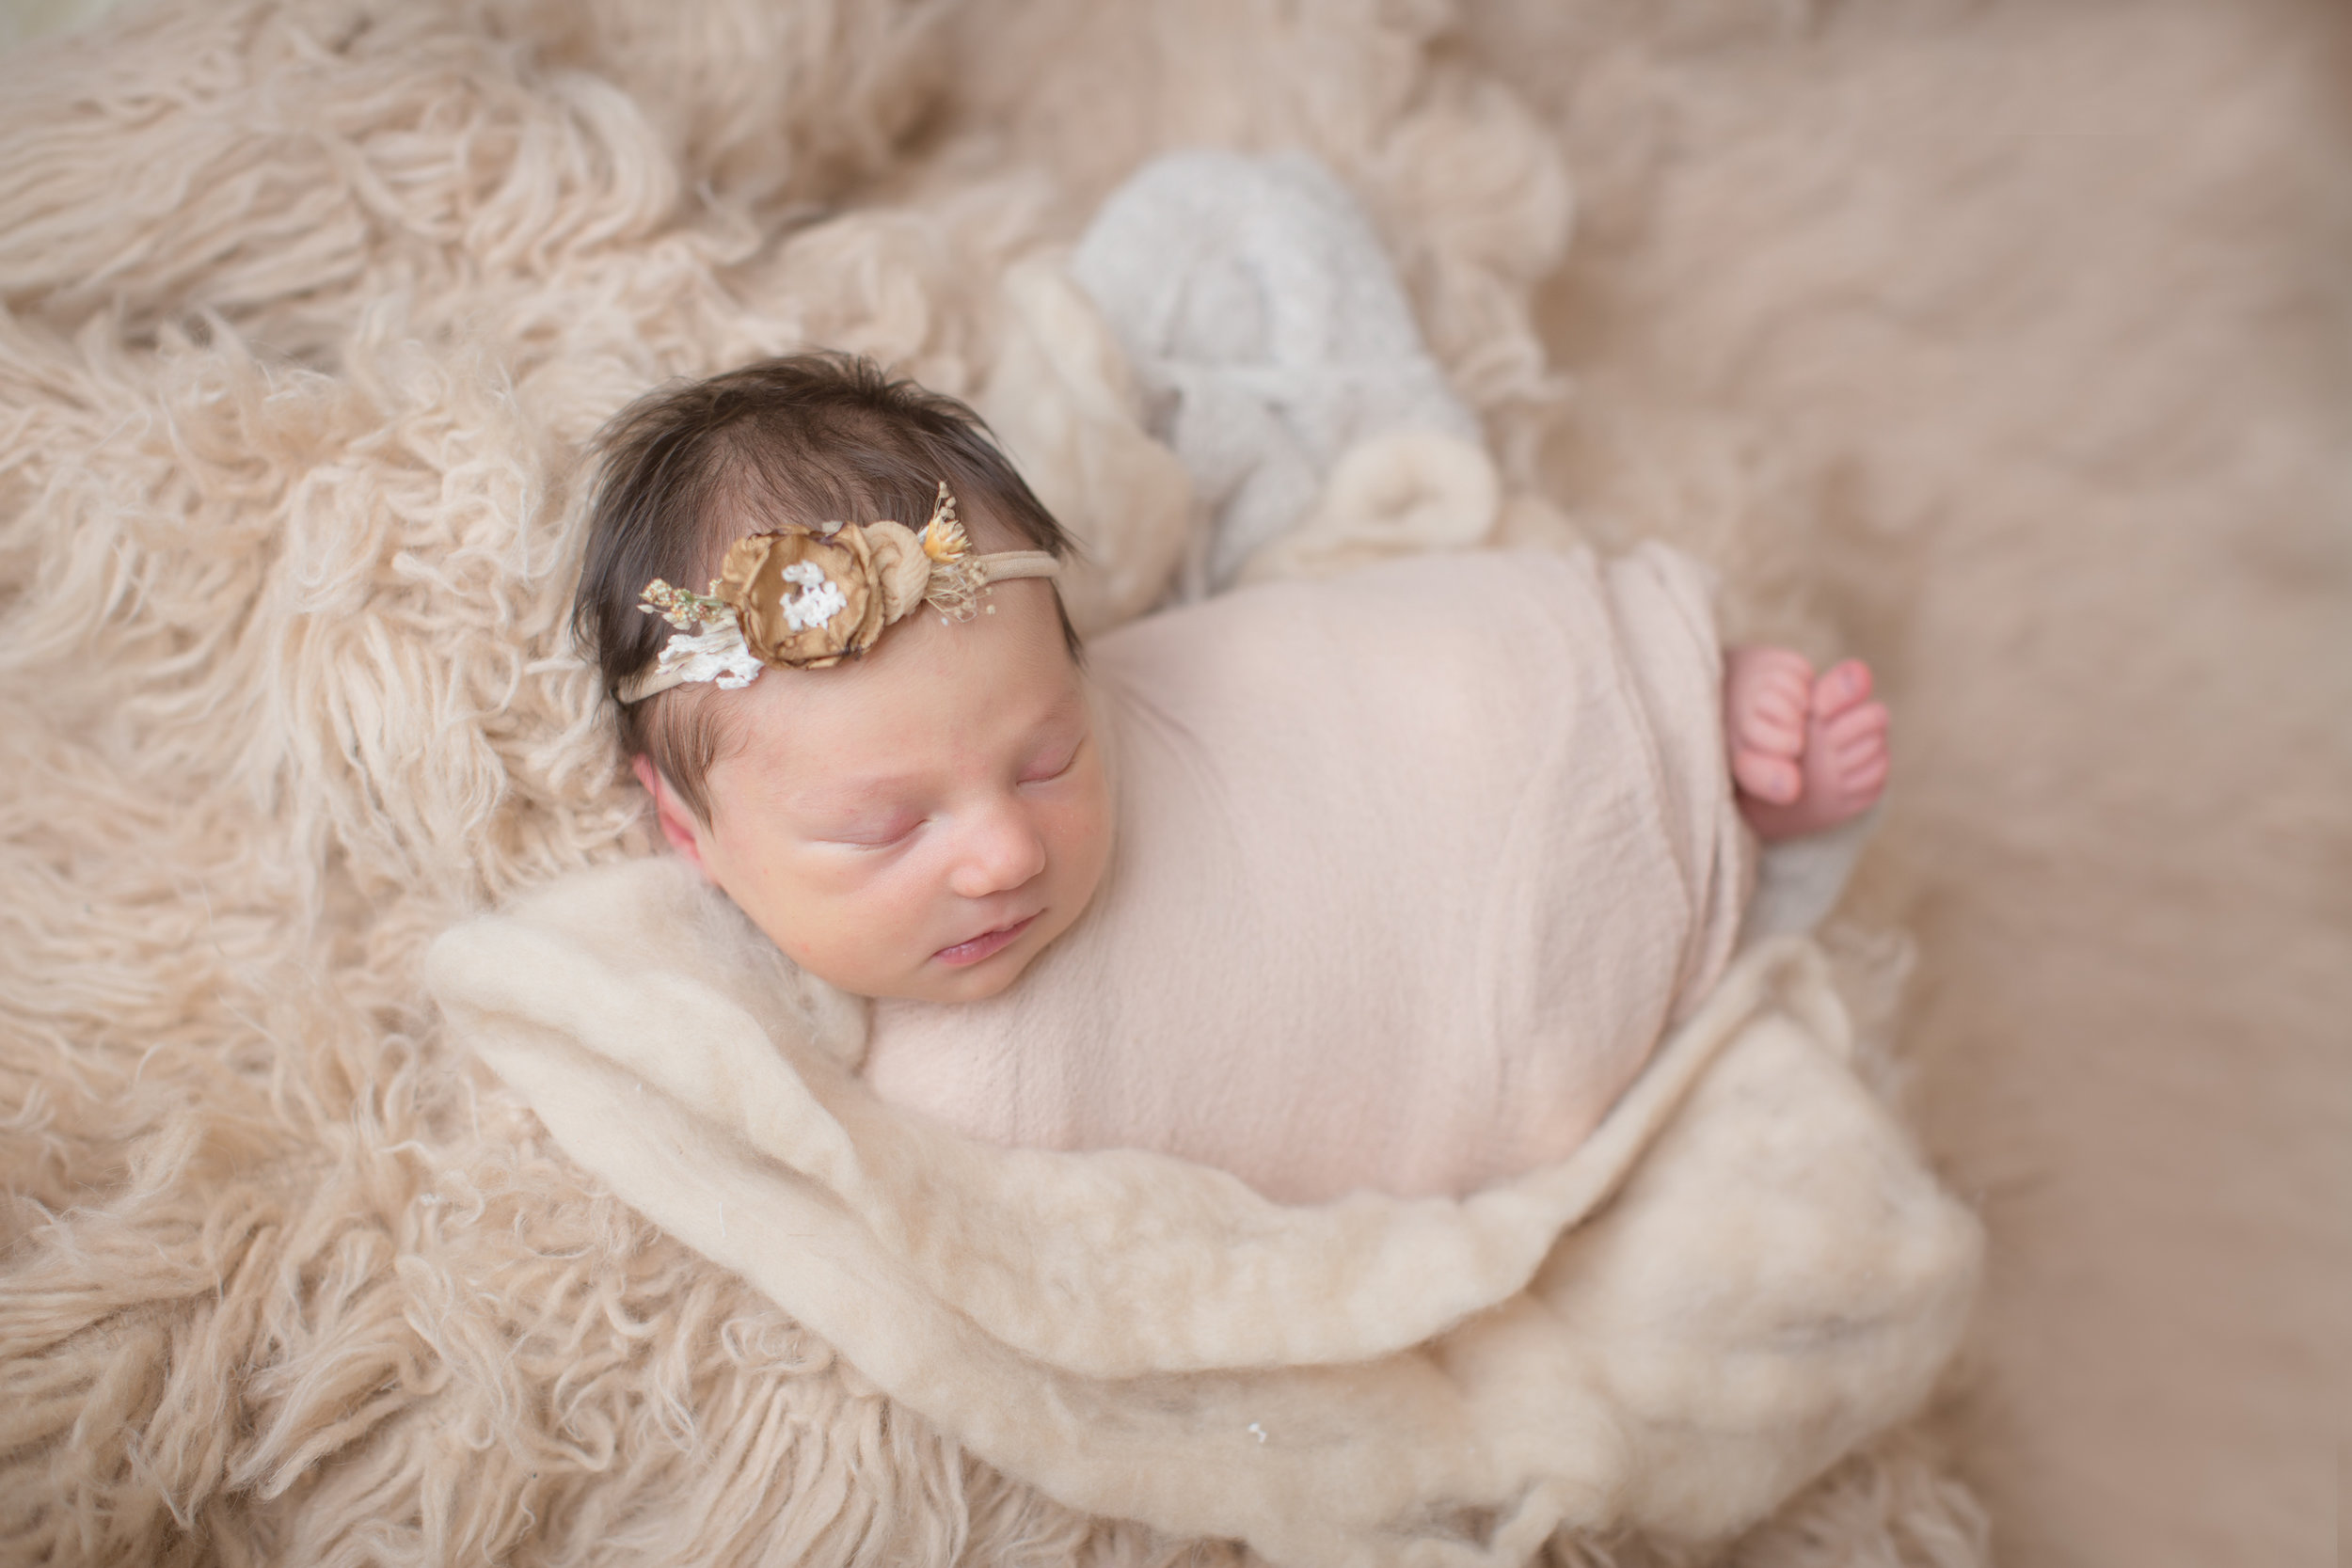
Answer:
[(977, 984)]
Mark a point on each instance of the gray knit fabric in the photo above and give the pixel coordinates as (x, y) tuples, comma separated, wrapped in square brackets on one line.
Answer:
[(1267, 331)]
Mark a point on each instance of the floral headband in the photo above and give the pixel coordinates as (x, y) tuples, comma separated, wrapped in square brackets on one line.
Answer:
[(801, 599)]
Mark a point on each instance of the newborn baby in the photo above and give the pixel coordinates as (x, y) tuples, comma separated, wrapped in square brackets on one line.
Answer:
[(1387, 882)]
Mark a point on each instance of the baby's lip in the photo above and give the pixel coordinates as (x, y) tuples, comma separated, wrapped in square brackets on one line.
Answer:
[(987, 944)]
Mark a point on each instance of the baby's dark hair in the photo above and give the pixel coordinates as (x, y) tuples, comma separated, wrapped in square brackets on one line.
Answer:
[(686, 470)]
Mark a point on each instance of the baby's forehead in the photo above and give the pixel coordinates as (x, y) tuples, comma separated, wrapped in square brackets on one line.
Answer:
[(931, 693)]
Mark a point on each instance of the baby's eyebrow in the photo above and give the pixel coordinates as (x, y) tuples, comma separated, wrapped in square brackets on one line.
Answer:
[(838, 797), (1071, 705)]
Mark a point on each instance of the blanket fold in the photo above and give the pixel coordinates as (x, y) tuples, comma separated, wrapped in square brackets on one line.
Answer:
[(1742, 1273)]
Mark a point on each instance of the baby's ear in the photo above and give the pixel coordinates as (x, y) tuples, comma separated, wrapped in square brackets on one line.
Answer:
[(677, 823)]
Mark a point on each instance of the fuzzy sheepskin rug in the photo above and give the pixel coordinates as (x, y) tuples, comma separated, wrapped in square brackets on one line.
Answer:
[(309, 307)]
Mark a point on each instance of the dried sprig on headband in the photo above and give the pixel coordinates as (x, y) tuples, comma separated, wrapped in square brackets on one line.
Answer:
[(954, 587)]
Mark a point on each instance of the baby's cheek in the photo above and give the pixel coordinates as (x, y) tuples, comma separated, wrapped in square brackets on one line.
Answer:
[(865, 943), (798, 946), (784, 919), (1078, 833)]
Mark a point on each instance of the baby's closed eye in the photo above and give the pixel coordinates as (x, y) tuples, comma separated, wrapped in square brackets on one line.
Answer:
[(872, 832), (1053, 762)]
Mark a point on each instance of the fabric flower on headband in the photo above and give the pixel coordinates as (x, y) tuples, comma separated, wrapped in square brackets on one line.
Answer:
[(805, 599)]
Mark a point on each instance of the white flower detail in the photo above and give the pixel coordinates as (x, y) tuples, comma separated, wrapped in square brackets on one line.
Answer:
[(715, 654), (708, 643), (817, 602)]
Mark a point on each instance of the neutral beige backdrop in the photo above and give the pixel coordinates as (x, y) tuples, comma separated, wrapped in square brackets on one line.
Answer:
[(2023, 333), (2008, 342)]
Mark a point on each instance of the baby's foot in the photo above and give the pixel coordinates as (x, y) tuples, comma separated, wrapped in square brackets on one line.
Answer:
[(1768, 693), (1841, 763)]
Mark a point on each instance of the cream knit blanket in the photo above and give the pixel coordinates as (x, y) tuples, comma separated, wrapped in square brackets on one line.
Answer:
[(1741, 1274)]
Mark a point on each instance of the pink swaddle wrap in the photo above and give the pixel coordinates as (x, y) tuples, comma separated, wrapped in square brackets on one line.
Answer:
[(1414, 867)]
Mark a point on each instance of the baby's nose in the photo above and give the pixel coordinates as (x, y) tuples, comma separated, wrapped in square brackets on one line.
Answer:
[(1003, 850)]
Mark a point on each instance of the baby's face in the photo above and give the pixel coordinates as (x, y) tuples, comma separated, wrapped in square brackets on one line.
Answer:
[(921, 822)]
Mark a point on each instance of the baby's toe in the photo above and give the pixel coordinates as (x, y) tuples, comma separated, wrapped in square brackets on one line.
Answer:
[(1841, 689), (1787, 698), (1775, 728), (1862, 754), (1856, 728), (1864, 769), (1769, 777), (1770, 697), (1856, 751)]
